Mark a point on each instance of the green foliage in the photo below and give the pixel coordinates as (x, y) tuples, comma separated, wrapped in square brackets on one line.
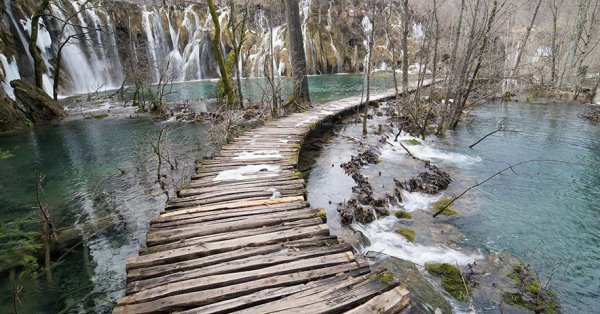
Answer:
[(407, 233), (444, 202), (403, 215), (413, 142), (19, 240), (384, 277), (452, 280)]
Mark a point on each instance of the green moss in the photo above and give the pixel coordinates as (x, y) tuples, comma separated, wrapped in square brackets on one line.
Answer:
[(320, 213), (382, 277), (443, 202), (408, 233), (452, 280), (531, 294), (403, 215), (413, 142)]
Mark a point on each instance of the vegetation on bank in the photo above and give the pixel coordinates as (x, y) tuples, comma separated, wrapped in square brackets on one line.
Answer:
[(447, 205)]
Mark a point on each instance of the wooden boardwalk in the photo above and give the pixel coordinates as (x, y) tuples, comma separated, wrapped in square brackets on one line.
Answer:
[(242, 238)]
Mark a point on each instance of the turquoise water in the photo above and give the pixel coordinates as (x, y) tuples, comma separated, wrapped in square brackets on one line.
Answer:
[(82, 162), (546, 213), (322, 87)]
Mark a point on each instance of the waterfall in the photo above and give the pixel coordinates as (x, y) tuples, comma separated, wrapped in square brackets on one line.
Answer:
[(329, 26), (11, 72), (257, 59), (187, 58)]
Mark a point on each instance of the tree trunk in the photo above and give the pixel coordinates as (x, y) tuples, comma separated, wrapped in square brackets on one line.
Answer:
[(300, 97), (225, 75), (405, 48), (515, 70), (237, 47), (368, 73), (450, 82), (38, 62)]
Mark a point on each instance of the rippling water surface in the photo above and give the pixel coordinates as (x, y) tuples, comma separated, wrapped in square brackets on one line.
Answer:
[(545, 213)]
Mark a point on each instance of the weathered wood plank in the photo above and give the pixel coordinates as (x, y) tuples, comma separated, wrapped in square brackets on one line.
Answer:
[(262, 296), (166, 236), (230, 205), (194, 299), (390, 302), (230, 197), (257, 185), (202, 240), (224, 246), (161, 221), (256, 262)]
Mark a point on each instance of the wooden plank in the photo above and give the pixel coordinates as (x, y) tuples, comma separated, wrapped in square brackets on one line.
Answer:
[(194, 299), (213, 184), (266, 184), (230, 197), (224, 246), (266, 295), (227, 216), (161, 221), (243, 264), (282, 173), (247, 189), (202, 240), (390, 302), (228, 279), (237, 204), (166, 236), (333, 300)]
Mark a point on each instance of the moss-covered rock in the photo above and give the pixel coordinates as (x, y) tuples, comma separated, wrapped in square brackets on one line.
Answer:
[(403, 215), (36, 104), (452, 280), (531, 294), (407, 233), (11, 117), (445, 203)]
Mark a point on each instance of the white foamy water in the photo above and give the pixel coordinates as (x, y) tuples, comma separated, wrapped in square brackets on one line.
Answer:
[(424, 151), (261, 154), (384, 239), (248, 172)]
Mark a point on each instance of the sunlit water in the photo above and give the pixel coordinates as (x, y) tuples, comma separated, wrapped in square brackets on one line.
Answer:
[(544, 213), (82, 163)]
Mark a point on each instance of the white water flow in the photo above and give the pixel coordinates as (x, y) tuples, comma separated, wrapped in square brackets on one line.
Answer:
[(180, 52), (381, 233), (336, 53), (260, 55), (11, 72)]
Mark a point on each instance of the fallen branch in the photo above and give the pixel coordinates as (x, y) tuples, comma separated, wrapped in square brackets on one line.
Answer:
[(510, 167)]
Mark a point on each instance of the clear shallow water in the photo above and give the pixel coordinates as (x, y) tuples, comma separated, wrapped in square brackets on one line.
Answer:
[(547, 214), (82, 163), (322, 87)]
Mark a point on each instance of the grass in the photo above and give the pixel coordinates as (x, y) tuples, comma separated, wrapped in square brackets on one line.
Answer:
[(443, 202), (407, 233), (403, 215), (451, 279), (413, 142)]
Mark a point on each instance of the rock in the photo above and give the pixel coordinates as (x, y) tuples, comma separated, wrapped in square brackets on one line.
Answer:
[(35, 103), (11, 117), (430, 181)]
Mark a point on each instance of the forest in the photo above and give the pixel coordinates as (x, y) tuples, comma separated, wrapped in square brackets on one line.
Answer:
[(154, 153)]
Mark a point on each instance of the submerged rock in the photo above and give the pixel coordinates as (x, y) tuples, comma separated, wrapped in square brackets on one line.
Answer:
[(35, 103), (430, 181)]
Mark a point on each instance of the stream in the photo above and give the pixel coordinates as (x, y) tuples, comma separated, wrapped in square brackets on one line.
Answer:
[(544, 213)]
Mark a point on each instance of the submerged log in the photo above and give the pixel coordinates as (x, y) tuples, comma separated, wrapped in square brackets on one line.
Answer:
[(430, 181)]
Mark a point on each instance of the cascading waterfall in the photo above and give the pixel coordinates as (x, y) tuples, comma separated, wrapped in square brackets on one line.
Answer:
[(329, 26), (260, 54), (11, 72), (169, 56)]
